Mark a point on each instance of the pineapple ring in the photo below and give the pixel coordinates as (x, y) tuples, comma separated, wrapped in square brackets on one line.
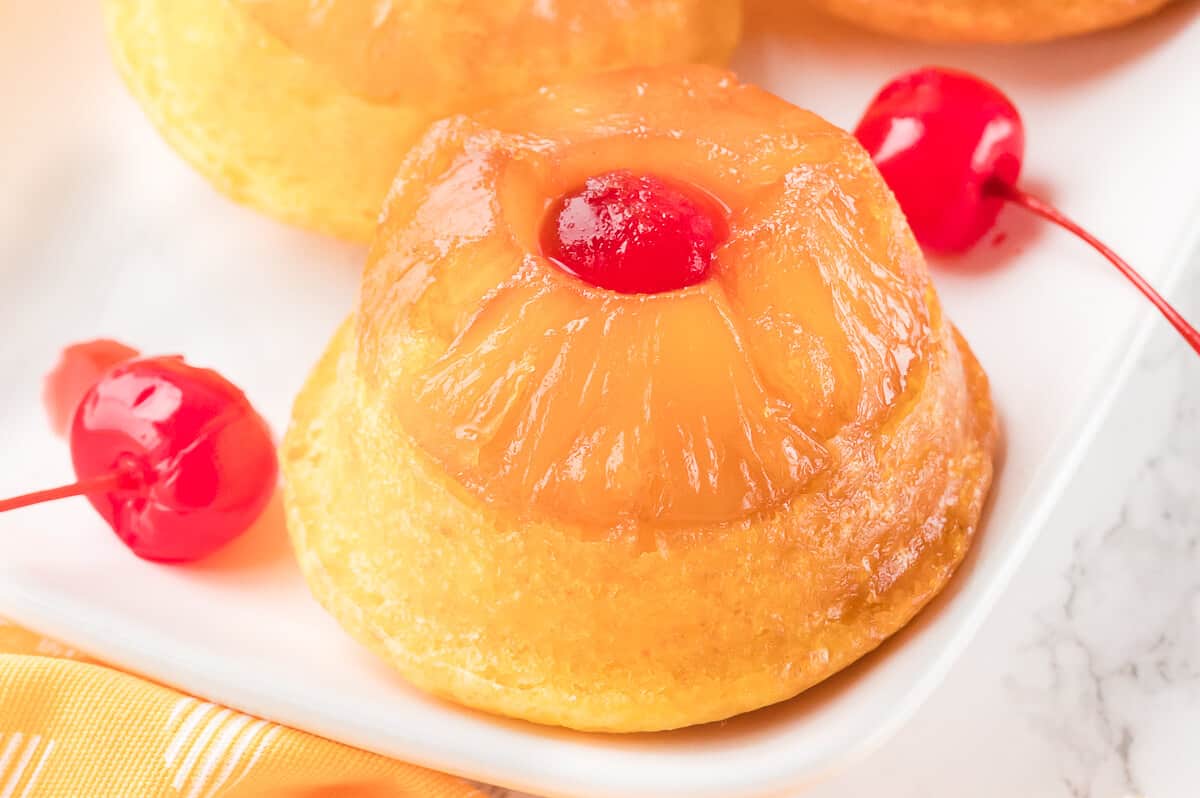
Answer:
[(503, 367), (1009, 21), (451, 55), (637, 512)]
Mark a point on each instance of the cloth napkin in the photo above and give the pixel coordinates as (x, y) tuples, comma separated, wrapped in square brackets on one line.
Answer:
[(71, 727)]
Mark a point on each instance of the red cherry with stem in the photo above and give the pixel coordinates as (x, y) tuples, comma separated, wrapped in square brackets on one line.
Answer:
[(172, 456), (950, 146), (635, 234), (939, 138)]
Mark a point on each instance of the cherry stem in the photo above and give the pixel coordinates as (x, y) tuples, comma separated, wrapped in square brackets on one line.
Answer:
[(124, 476), (1052, 214)]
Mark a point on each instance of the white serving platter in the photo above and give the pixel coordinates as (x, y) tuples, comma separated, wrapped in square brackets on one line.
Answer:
[(103, 231)]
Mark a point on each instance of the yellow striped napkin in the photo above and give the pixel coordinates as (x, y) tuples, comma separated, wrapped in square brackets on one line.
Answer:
[(73, 728)]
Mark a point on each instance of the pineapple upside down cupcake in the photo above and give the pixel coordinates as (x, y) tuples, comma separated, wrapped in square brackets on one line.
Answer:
[(648, 415), (1000, 21), (303, 110)]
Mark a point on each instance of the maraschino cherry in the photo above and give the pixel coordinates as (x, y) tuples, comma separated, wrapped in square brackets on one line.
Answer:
[(951, 146), (172, 456), (634, 233)]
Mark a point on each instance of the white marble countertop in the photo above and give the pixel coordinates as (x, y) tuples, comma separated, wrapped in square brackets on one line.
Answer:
[(1085, 680)]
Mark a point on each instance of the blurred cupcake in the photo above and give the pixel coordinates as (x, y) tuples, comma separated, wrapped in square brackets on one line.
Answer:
[(304, 111), (1001, 21)]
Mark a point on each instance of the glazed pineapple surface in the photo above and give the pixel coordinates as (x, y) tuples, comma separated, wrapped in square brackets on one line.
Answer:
[(304, 110), (637, 511), (453, 55), (990, 20)]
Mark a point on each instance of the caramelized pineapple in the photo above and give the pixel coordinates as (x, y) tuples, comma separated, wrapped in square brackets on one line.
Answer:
[(549, 395), (452, 55)]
